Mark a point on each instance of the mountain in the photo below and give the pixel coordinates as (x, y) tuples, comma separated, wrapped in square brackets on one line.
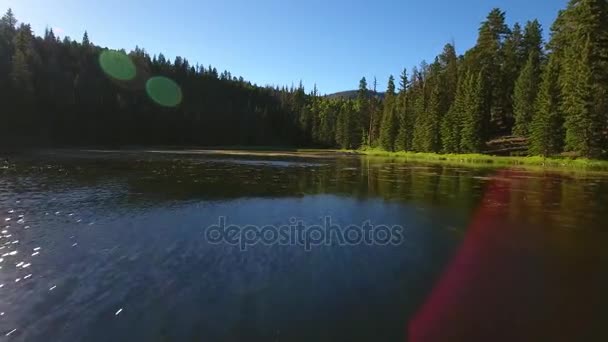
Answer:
[(352, 94)]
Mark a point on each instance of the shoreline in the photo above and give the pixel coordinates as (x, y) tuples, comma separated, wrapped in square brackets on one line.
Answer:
[(472, 160), (475, 159)]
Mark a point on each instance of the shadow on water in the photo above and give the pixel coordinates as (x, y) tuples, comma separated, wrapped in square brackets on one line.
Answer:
[(115, 251)]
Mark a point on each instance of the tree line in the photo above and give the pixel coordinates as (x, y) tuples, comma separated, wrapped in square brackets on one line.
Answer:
[(553, 94)]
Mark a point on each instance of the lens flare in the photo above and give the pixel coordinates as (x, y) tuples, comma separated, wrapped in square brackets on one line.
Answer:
[(117, 65), (164, 91)]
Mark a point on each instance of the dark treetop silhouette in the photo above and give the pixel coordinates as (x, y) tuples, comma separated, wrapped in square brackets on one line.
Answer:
[(553, 97)]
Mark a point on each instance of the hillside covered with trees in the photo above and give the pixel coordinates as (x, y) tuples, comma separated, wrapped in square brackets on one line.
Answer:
[(551, 95)]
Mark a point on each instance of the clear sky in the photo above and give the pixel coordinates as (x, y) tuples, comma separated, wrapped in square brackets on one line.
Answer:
[(332, 43)]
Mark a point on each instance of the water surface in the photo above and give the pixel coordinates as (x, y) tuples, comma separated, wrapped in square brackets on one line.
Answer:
[(104, 246)]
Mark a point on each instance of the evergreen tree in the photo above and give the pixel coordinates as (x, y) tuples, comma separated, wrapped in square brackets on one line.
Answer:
[(404, 128), (526, 86), (512, 60), (8, 20), (403, 81), (526, 90), (21, 75), (24, 54), (471, 136), (85, 39), (363, 122), (580, 42), (532, 40), (426, 133), (388, 129), (342, 135), (449, 76), (375, 117), (583, 124), (7, 32), (419, 114), (452, 123), (546, 129), (344, 124), (488, 57), (390, 88), (434, 117)]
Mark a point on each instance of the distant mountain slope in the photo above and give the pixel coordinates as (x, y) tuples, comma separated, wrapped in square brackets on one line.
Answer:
[(351, 95)]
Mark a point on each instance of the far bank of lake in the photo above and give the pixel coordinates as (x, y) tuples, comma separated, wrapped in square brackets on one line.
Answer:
[(568, 164), (475, 159)]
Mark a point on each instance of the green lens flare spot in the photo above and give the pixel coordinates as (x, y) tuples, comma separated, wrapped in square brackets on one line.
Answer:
[(117, 65), (164, 91)]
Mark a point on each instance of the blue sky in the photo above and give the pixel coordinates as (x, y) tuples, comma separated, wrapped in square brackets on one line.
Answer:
[(332, 43)]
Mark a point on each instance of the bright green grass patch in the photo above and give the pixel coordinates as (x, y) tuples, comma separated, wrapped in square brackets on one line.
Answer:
[(488, 160)]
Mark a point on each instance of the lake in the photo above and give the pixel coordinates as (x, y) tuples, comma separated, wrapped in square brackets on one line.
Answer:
[(114, 246)]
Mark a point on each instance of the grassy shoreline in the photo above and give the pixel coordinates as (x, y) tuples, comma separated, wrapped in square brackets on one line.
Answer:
[(489, 160), (473, 160)]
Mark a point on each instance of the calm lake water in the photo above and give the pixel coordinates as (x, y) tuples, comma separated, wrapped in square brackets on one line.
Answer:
[(112, 247)]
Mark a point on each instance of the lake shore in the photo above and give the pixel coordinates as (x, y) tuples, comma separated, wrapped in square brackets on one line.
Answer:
[(472, 160), (489, 160)]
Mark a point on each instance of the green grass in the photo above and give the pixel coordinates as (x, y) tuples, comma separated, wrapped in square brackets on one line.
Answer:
[(473, 159), (488, 160)]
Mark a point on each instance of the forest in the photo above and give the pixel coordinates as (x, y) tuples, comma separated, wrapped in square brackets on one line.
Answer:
[(511, 85)]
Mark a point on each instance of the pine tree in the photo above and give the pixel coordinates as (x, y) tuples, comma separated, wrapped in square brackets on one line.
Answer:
[(403, 81), (532, 40), (471, 136), (21, 75), (434, 116), (526, 90), (362, 124), (415, 106), (21, 72), (512, 60), (488, 57), (7, 33), (451, 126), (85, 39), (426, 133), (419, 116), (49, 36), (342, 130), (390, 88), (513, 50), (580, 42), (8, 20), (546, 129), (527, 83), (388, 127), (583, 124), (449, 76), (402, 141), (375, 116)]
